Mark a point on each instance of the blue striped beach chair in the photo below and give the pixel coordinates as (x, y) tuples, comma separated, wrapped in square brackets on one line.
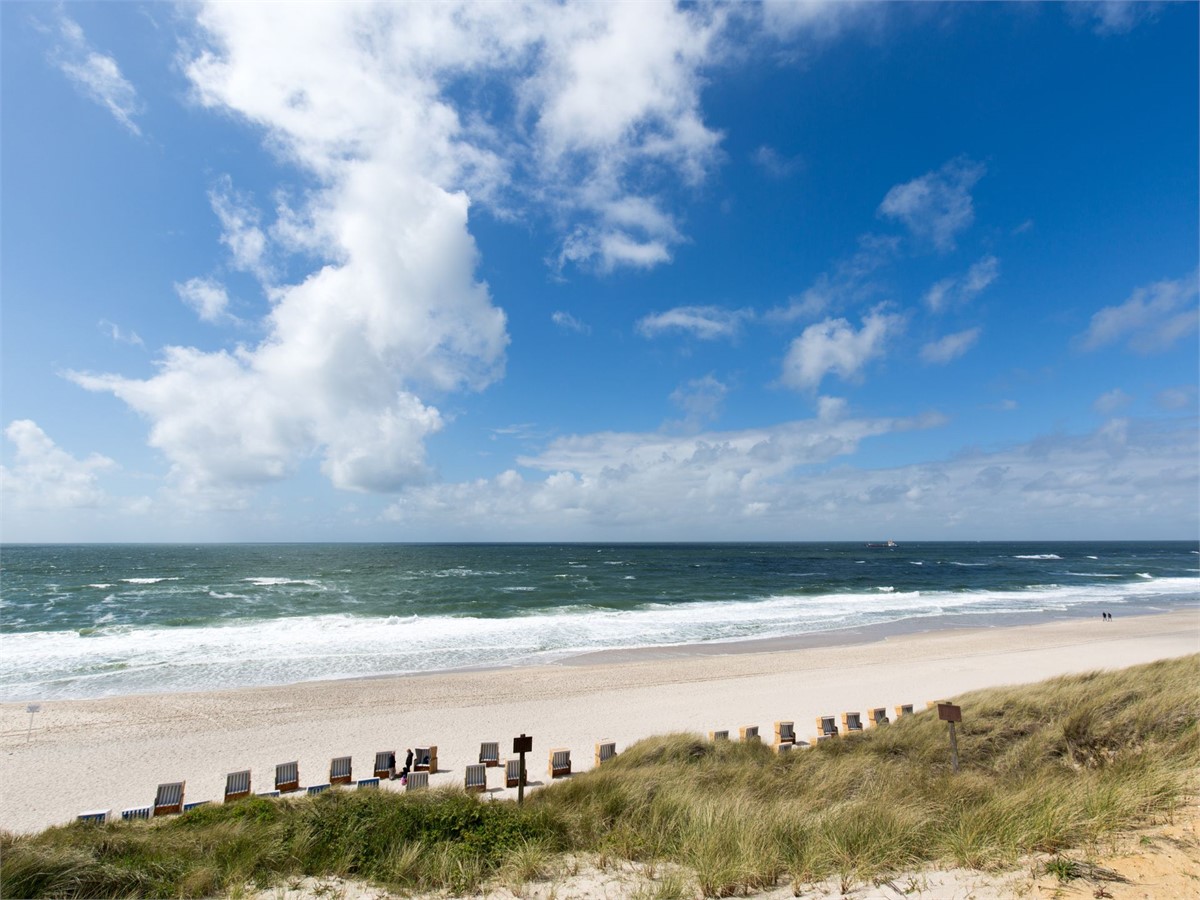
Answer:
[(417, 781), (340, 770), (268, 794), (560, 762), (368, 784), (489, 753), (136, 812), (605, 750), (237, 785), (188, 807), (287, 777), (476, 778), (168, 799), (94, 816), (313, 789)]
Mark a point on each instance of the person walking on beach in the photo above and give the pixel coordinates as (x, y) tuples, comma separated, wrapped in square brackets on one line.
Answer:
[(408, 760)]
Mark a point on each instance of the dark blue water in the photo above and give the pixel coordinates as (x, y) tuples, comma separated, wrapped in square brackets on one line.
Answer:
[(94, 620)]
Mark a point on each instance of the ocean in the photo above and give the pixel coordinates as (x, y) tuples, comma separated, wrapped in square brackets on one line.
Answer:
[(101, 620)]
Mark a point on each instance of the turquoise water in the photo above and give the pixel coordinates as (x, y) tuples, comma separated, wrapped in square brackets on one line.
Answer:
[(92, 620)]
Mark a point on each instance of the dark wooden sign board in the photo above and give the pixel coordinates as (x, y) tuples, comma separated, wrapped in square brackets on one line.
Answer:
[(948, 712), (521, 746)]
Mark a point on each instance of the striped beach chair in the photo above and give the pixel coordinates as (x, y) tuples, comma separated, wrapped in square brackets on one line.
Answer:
[(476, 778), (605, 750), (749, 733), (785, 733), (368, 784), (489, 753), (560, 762), (426, 759), (268, 794), (168, 799), (287, 777), (385, 764), (195, 804), (136, 812), (237, 785), (878, 716), (417, 781), (826, 728), (512, 773), (94, 816), (340, 770), (718, 735), (851, 721), (313, 789), (905, 710)]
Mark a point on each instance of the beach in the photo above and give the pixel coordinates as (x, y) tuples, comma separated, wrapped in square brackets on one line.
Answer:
[(110, 753)]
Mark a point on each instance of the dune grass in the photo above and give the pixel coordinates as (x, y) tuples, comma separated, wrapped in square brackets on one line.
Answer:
[(1045, 768)]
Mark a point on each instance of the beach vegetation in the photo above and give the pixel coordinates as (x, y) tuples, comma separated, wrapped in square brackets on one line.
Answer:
[(1045, 769)]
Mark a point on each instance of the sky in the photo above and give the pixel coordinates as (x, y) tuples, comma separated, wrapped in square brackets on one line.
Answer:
[(599, 272)]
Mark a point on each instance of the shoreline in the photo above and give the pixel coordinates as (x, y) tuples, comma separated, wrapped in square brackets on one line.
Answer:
[(112, 752)]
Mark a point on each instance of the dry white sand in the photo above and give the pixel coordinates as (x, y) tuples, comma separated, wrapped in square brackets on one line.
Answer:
[(111, 753)]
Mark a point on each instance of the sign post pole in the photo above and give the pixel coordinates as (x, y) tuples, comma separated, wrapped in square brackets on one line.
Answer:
[(950, 713), (31, 709), (521, 746)]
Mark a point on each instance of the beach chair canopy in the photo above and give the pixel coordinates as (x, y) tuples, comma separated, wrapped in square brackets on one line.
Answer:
[(785, 732), (560, 762), (749, 733), (340, 770), (827, 726), (718, 735), (512, 773), (95, 816), (417, 781), (605, 750), (313, 789), (136, 812), (425, 759), (852, 721), (287, 777), (489, 753), (368, 783), (385, 763), (476, 778), (169, 798), (237, 784)]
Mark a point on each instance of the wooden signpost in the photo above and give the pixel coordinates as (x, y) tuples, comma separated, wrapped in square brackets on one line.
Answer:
[(521, 746), (950, 713)]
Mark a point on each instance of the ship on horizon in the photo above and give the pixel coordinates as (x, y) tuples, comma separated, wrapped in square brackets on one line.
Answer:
[(888, 544)]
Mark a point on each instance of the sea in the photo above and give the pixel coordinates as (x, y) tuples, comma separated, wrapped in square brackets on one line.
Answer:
[(84, 621)]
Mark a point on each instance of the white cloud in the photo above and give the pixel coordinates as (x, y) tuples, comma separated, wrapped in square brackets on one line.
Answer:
[(950, 347), (1113, 16), (240, 229), (97, 76), (774, 164), (780, 484), (206, 297), (1111, 402), (119, 335), (1177, 397), (701, 400), (834, 346), (958, 290), (44, 476), (568, 322), (704, 322), (849, 281), (1151, 320), (937, 206)]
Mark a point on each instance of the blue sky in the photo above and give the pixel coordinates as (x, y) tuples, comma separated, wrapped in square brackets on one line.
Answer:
[(772, 271)]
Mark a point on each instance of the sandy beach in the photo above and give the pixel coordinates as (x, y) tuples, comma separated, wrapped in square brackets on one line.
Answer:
[(111, 753)]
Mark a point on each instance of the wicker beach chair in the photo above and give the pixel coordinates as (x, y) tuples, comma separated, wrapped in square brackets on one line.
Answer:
[(136, 812), (313, 789), (368, 784), (417, 781), (905, 710), (476, 778), (851, 721), (749, 733), (512, 773), (287, 777), (878, 716), (168, 799), (237, 785), (560, 762), (826, 728), (785, 733), (340, 770), (195, 804), (489, 753), (718, 735), (605, 750), (94, 816), (385, 764), (426, 759)]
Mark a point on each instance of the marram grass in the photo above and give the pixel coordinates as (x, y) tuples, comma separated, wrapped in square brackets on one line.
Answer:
[(1045, 768)]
